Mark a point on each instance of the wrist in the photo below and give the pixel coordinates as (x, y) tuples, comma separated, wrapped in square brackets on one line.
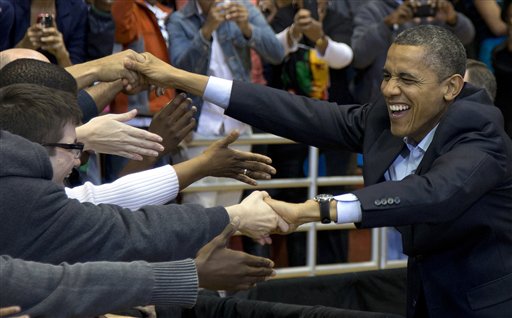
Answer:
[(309, 211)]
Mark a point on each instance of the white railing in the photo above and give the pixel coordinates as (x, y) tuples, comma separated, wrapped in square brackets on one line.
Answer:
[(312, 182)]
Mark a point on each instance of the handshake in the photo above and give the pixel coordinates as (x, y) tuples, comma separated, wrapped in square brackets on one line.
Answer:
[(257, 216)]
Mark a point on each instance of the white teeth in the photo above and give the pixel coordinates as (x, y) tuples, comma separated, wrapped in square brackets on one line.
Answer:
[(399, 108)]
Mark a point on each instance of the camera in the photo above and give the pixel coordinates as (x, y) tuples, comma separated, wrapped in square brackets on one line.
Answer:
[(424, 10), (45, 20)]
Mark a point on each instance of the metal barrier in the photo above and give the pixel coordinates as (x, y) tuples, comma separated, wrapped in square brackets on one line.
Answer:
[(378, 258)]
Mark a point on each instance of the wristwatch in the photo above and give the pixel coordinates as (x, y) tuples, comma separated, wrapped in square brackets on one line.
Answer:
[(324, 200)]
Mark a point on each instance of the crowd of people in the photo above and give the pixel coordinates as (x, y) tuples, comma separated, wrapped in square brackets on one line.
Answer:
[(417, 88)]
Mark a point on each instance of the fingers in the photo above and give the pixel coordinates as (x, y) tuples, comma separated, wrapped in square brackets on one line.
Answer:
[(223, 238), (229, 139), (258, 262), (282, 225), (133, 64), (124, 116), (173, 105)]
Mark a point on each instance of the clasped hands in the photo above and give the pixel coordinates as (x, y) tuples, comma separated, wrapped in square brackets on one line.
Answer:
[(260, 216)]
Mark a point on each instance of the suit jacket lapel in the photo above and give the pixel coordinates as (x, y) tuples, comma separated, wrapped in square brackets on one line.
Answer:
[(380, 156)]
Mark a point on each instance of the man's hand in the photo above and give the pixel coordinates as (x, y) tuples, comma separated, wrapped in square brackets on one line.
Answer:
[(53, 42), (445, 12), (404, 13), (108, 134), (150, 67), (107, 69), (160, 74), (223, 161), (32, 38), (174, 122), (308, 26), (238, 13), (220, 268), (216, 15), (257, 219), (289, 212)]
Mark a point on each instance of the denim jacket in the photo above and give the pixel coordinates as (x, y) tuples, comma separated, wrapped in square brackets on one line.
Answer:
[(190, 51)]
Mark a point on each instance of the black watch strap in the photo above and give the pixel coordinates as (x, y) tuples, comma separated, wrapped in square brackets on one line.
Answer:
[(325, 211)]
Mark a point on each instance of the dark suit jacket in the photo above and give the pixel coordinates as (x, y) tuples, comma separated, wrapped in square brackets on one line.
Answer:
[(455, 212)]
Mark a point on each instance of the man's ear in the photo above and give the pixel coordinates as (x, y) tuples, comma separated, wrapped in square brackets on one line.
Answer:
[(454, 85)]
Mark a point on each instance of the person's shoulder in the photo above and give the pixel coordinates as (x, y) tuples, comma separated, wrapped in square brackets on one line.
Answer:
[(473, 111), (23, 158)]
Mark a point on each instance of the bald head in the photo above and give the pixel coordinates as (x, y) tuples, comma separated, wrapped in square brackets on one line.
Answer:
[(10, 55)]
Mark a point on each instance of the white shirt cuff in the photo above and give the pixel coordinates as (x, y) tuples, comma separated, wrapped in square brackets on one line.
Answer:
[(337, 55), (218, 91), (348, 208)]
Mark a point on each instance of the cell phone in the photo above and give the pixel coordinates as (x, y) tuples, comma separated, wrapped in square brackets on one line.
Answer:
[(45, 20), (424, 10)]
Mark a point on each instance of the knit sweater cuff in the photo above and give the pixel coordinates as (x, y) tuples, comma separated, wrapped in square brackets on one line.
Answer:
[(176, 283)]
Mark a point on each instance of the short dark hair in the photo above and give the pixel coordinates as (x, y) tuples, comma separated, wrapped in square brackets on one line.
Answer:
[(32, 71), (481, 76), (444, 51), (37, 113)]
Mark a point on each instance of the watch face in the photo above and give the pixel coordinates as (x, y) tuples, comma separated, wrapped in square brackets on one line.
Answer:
[(324, 197)]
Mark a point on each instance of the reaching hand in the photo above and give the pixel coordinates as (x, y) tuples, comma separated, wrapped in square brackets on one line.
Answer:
[(257, 219), (240, 165), (220, 268), (108, 134), (174, 122)]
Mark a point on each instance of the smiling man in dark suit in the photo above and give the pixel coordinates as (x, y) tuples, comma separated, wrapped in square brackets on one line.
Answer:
[(438, 166)]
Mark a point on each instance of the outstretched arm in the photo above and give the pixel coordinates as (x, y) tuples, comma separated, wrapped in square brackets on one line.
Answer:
[(106, 69), (161, 74)]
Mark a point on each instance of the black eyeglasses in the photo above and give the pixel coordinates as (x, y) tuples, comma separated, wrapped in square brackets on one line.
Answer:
[(76, 148)]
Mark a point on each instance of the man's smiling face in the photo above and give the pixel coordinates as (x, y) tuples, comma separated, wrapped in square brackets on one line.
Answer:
[(413, 92), (63, 160)]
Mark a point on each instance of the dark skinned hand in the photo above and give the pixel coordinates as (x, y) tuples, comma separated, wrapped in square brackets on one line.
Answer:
[(220, 268), (173, 123)]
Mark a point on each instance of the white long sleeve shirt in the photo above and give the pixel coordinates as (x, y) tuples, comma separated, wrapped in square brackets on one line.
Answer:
[(150, 187)]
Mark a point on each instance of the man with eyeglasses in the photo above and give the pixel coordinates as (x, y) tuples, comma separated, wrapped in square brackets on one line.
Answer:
[(39, 222)]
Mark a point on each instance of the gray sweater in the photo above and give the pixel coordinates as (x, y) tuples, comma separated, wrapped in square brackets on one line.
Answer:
[(40, 223), (94, 288)]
